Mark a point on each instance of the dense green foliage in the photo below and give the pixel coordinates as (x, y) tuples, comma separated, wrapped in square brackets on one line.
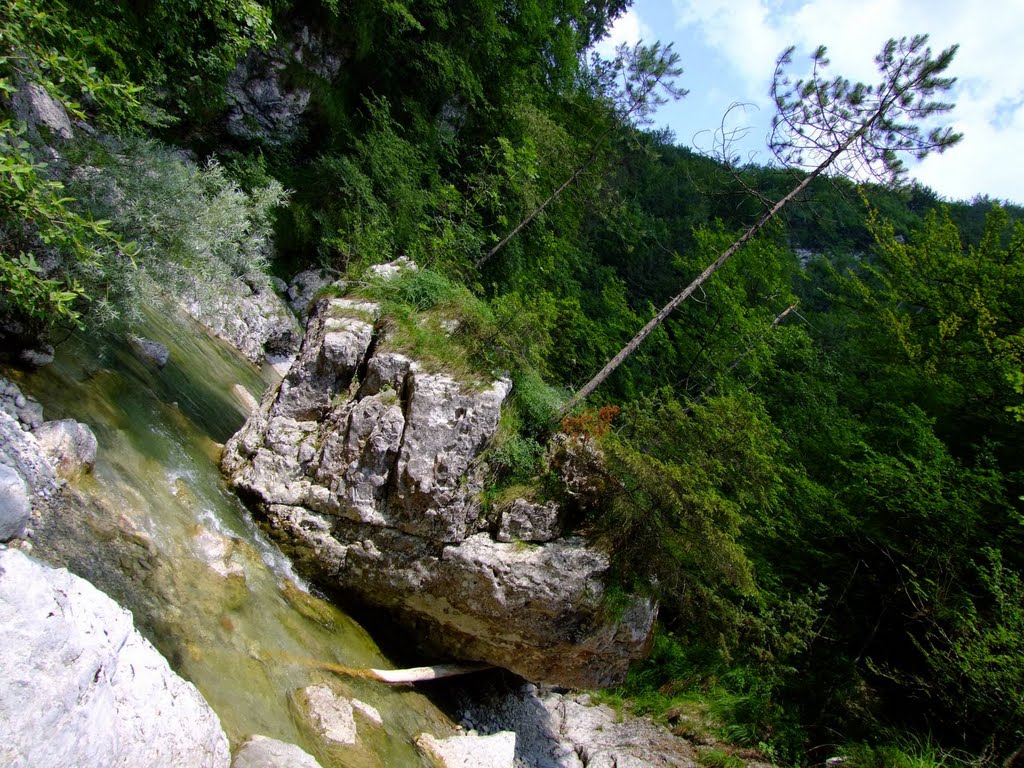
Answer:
[(826, 500)]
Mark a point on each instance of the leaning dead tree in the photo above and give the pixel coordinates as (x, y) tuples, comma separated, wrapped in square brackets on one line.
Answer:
[(832, 126)]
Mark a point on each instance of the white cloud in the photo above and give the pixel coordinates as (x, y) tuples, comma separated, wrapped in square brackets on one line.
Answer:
[(749, 34), (629, 28)]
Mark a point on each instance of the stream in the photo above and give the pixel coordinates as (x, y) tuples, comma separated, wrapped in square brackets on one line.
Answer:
[(158, 530)]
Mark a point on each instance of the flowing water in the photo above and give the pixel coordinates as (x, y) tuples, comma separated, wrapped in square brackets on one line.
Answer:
[(157, 529)]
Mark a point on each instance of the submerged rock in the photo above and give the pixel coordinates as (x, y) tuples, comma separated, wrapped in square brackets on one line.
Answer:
[(264, 752), (363, 463), (69, 444), (82, 687), (149, 351)]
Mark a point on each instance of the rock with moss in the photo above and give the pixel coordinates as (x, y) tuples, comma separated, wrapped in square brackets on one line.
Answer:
[(364, 465)]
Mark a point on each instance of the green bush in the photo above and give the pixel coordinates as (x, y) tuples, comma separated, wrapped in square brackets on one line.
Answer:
[(517, 459), (193, 227)]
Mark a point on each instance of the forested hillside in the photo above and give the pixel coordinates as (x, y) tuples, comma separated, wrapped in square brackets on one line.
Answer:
[(815, 464)]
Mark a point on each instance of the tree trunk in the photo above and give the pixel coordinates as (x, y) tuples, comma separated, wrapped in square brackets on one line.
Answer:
[(746, 237), (679, 298)]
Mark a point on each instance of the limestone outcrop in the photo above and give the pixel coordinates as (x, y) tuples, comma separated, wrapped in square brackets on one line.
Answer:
[(249, 315), (363, 464), (263, 104), (82, 687)]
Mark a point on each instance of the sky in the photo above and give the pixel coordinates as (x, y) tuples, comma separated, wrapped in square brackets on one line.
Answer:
[(728, 50)]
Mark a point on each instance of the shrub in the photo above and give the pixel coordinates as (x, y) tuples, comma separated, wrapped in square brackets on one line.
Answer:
[(194, 227)]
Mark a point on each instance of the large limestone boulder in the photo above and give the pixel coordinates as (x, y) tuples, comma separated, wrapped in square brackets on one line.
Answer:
[(363, 465), (80, 686)]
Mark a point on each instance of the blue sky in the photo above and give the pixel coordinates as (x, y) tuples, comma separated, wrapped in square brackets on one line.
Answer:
[(728, 50)]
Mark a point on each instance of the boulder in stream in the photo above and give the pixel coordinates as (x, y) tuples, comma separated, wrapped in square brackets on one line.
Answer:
[(264, 752), (363, 464), (149, 351), (70, 445)]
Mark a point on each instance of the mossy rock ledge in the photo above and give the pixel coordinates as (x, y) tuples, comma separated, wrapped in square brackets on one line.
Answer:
[(361, 463)]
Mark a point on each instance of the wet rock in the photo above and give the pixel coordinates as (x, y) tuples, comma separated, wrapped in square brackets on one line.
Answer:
[(149, 351), (470, 750), (70, 445), (329, 714), (217, 551), (38, 357), (82, 687), (372, 714), (364, 466), (15, 508), (245, 398), (264, 752)]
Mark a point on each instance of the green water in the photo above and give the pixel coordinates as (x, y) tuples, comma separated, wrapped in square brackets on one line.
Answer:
[(157, 529)]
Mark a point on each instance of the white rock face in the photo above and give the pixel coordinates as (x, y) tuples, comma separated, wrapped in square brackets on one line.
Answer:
[(81, 687), (249, 315), (264, 752), (15, 508), (471, 750), (365, 467)]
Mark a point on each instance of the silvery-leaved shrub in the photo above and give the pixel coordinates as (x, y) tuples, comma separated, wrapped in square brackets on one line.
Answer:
[(192, 226)]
